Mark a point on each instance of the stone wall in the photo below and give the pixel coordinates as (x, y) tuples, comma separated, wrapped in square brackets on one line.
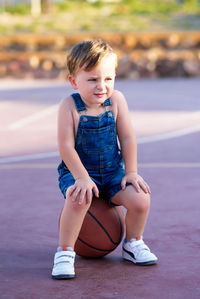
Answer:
[(141, 55)]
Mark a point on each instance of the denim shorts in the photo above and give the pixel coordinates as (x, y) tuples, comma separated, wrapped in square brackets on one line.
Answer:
[(108, 184)]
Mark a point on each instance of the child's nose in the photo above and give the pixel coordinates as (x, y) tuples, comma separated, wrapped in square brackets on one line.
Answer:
[(100, 85)]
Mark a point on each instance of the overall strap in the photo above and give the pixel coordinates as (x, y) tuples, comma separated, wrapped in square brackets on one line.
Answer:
[(80, 105), (107, 102)]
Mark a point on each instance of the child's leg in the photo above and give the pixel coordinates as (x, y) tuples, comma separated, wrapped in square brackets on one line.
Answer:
[(71, 220), (137, 205)]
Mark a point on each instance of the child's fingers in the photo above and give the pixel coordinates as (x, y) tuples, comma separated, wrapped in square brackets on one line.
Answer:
[(70, 190), (82, 196), (95, 190), (123, 183), (75, 193), (144, 187), (148, 188), (136, 185), (88, 196)]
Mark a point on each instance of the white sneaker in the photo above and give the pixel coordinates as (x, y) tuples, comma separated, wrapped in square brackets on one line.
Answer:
[(138, 253), (63, 265)]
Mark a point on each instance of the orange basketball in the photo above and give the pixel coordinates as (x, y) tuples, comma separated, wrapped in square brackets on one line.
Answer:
[(102, 230)]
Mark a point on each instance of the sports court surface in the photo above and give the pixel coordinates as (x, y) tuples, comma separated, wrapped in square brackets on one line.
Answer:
[(166, 118)]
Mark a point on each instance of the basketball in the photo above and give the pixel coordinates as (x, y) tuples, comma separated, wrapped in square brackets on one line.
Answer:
[(102, 230)]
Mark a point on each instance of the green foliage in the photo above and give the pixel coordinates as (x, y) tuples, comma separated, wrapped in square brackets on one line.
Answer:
[(21, 9), (86, 27), (151, 6), (3, 29), (100, 16), (191, 6), (63, 5), (97, 4)]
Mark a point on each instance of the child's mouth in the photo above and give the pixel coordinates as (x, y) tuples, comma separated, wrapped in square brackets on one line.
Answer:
[(99, 95)]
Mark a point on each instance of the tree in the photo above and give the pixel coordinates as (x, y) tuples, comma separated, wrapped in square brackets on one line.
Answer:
[(46, 6), (40, 6), (35, 8)]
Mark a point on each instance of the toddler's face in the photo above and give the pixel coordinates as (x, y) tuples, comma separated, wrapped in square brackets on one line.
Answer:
[(96, 85)]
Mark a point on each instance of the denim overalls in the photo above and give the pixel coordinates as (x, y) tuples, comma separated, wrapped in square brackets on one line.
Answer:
[(97, 146)]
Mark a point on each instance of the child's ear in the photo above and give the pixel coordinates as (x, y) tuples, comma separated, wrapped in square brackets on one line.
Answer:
[(72, 81)]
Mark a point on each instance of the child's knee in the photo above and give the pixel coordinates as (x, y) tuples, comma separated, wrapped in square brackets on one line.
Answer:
[(79, 207), (141, 203)]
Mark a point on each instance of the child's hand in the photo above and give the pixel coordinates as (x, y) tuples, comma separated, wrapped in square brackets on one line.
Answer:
[(136, 180), (82, 190)]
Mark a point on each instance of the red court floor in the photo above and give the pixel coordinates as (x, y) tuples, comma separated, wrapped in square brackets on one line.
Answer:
[(166, 118)]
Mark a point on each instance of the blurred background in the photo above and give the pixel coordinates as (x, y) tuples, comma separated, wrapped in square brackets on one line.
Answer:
[(153, 38)]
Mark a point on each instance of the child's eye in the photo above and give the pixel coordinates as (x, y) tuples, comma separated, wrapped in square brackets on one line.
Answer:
[(108, 79), (92, 79)]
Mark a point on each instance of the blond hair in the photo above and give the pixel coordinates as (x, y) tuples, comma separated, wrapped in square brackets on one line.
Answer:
[(87, 54)]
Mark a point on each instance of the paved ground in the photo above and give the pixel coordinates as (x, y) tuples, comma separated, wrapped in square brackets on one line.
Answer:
[(166, 118)]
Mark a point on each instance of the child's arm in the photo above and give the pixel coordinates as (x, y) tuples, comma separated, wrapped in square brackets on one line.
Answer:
[(83, 186), (128, 144)]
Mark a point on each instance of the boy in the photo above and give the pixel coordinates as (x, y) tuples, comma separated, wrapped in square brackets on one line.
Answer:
[(90, 124)]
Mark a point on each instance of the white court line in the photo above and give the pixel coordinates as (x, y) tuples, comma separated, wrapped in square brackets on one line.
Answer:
[(33, 117), (6, 84), (169, 135), (140, 165), (29, 157), (170, 165), (142, 140)]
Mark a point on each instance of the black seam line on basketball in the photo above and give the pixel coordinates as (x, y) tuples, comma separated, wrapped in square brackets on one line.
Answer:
[(120, 224), (115, 243), (98, 249), (129, 252)]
